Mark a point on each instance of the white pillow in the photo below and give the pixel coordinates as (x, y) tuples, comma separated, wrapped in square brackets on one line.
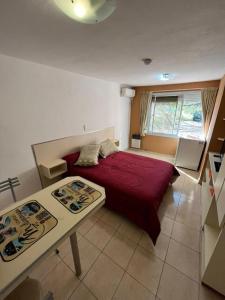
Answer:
[(88, 155), (108, 147)]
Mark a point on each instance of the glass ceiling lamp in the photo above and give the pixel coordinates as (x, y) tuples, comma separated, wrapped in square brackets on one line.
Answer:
[(87, 11)]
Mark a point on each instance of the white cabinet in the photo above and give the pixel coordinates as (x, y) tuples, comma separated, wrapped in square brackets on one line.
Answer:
[(189, 152), (213, 230)]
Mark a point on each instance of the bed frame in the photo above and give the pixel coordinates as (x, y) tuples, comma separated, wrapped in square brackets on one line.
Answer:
[(46, 153)]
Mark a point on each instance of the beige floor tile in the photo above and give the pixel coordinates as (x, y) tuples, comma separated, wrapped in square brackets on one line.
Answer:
[(168, 158), (191, 189), (190, 205), (130, 289), (87, 225), (45, 267), (166, 225), (183, 259), (176, 286), (120, 249), (100, 234), (82, 293), (131, 231), (188, 218), (190, 175), (88, 255), (177, 186), (61, 281), (172, 196), (65, 247), (187, 236), (168, 210), (160, 248), (103, 278), (100, 212), (209, 294), (169, 204), (146, 268), (112, 219)]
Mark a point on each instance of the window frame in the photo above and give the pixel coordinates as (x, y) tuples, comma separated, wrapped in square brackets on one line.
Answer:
[(151, 114)]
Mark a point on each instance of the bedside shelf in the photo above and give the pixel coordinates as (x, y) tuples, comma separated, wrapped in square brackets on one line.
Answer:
[(54, 168)]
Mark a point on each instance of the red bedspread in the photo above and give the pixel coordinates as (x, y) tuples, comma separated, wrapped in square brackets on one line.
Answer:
[(134, 185)]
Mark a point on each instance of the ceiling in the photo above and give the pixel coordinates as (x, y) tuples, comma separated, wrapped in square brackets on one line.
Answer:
[(185, 38)]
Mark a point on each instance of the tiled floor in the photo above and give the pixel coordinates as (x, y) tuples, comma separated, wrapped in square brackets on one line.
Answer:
[(120, 262)]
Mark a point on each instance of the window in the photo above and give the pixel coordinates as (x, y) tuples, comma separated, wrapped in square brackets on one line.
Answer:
[(176, 114)]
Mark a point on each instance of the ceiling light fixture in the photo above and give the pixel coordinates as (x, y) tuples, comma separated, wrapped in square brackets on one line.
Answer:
[(79, 10), (87, 11), (166, 76)]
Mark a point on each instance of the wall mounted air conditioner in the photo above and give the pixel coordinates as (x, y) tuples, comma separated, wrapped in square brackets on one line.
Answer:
[(126, 92)]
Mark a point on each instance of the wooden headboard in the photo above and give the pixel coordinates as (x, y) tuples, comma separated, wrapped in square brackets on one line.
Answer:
[(47, 152)]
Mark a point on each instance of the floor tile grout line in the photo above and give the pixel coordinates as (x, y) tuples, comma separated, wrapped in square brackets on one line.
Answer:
[(199, 252), (101, 252), (82, 279), (116, 289), (147, 288), (74, 274), (172, 238), (90, 290), (196, 281), (44, 277), (88, 229), (78, 287), (175, 221), (151, 252), (138, 244), (116, 230), (164, 262), (190, 227), (125, 270)]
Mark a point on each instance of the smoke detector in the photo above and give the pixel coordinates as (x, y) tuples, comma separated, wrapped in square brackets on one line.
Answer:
[(147, 61)]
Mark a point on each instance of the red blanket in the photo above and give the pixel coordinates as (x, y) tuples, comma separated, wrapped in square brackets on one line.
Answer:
[(134, 185)]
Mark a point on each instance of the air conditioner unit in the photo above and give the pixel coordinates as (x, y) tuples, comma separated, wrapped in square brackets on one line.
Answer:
[(126, 92)]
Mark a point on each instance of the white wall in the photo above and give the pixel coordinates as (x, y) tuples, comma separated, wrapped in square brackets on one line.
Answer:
[(39, 103), (124, 122)]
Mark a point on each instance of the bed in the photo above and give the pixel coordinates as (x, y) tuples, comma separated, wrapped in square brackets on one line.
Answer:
[(134, 184)]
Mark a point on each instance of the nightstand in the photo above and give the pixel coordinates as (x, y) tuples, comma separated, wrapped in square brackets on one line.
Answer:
[(53, 168)]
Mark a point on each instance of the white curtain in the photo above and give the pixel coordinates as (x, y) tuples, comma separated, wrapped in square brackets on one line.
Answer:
[(208, 103), (145, 104)]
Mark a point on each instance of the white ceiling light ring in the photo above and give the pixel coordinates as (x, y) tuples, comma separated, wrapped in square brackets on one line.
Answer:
[(87, 11)]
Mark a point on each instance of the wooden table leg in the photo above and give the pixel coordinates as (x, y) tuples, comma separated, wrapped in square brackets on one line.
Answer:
[(75, 252)]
